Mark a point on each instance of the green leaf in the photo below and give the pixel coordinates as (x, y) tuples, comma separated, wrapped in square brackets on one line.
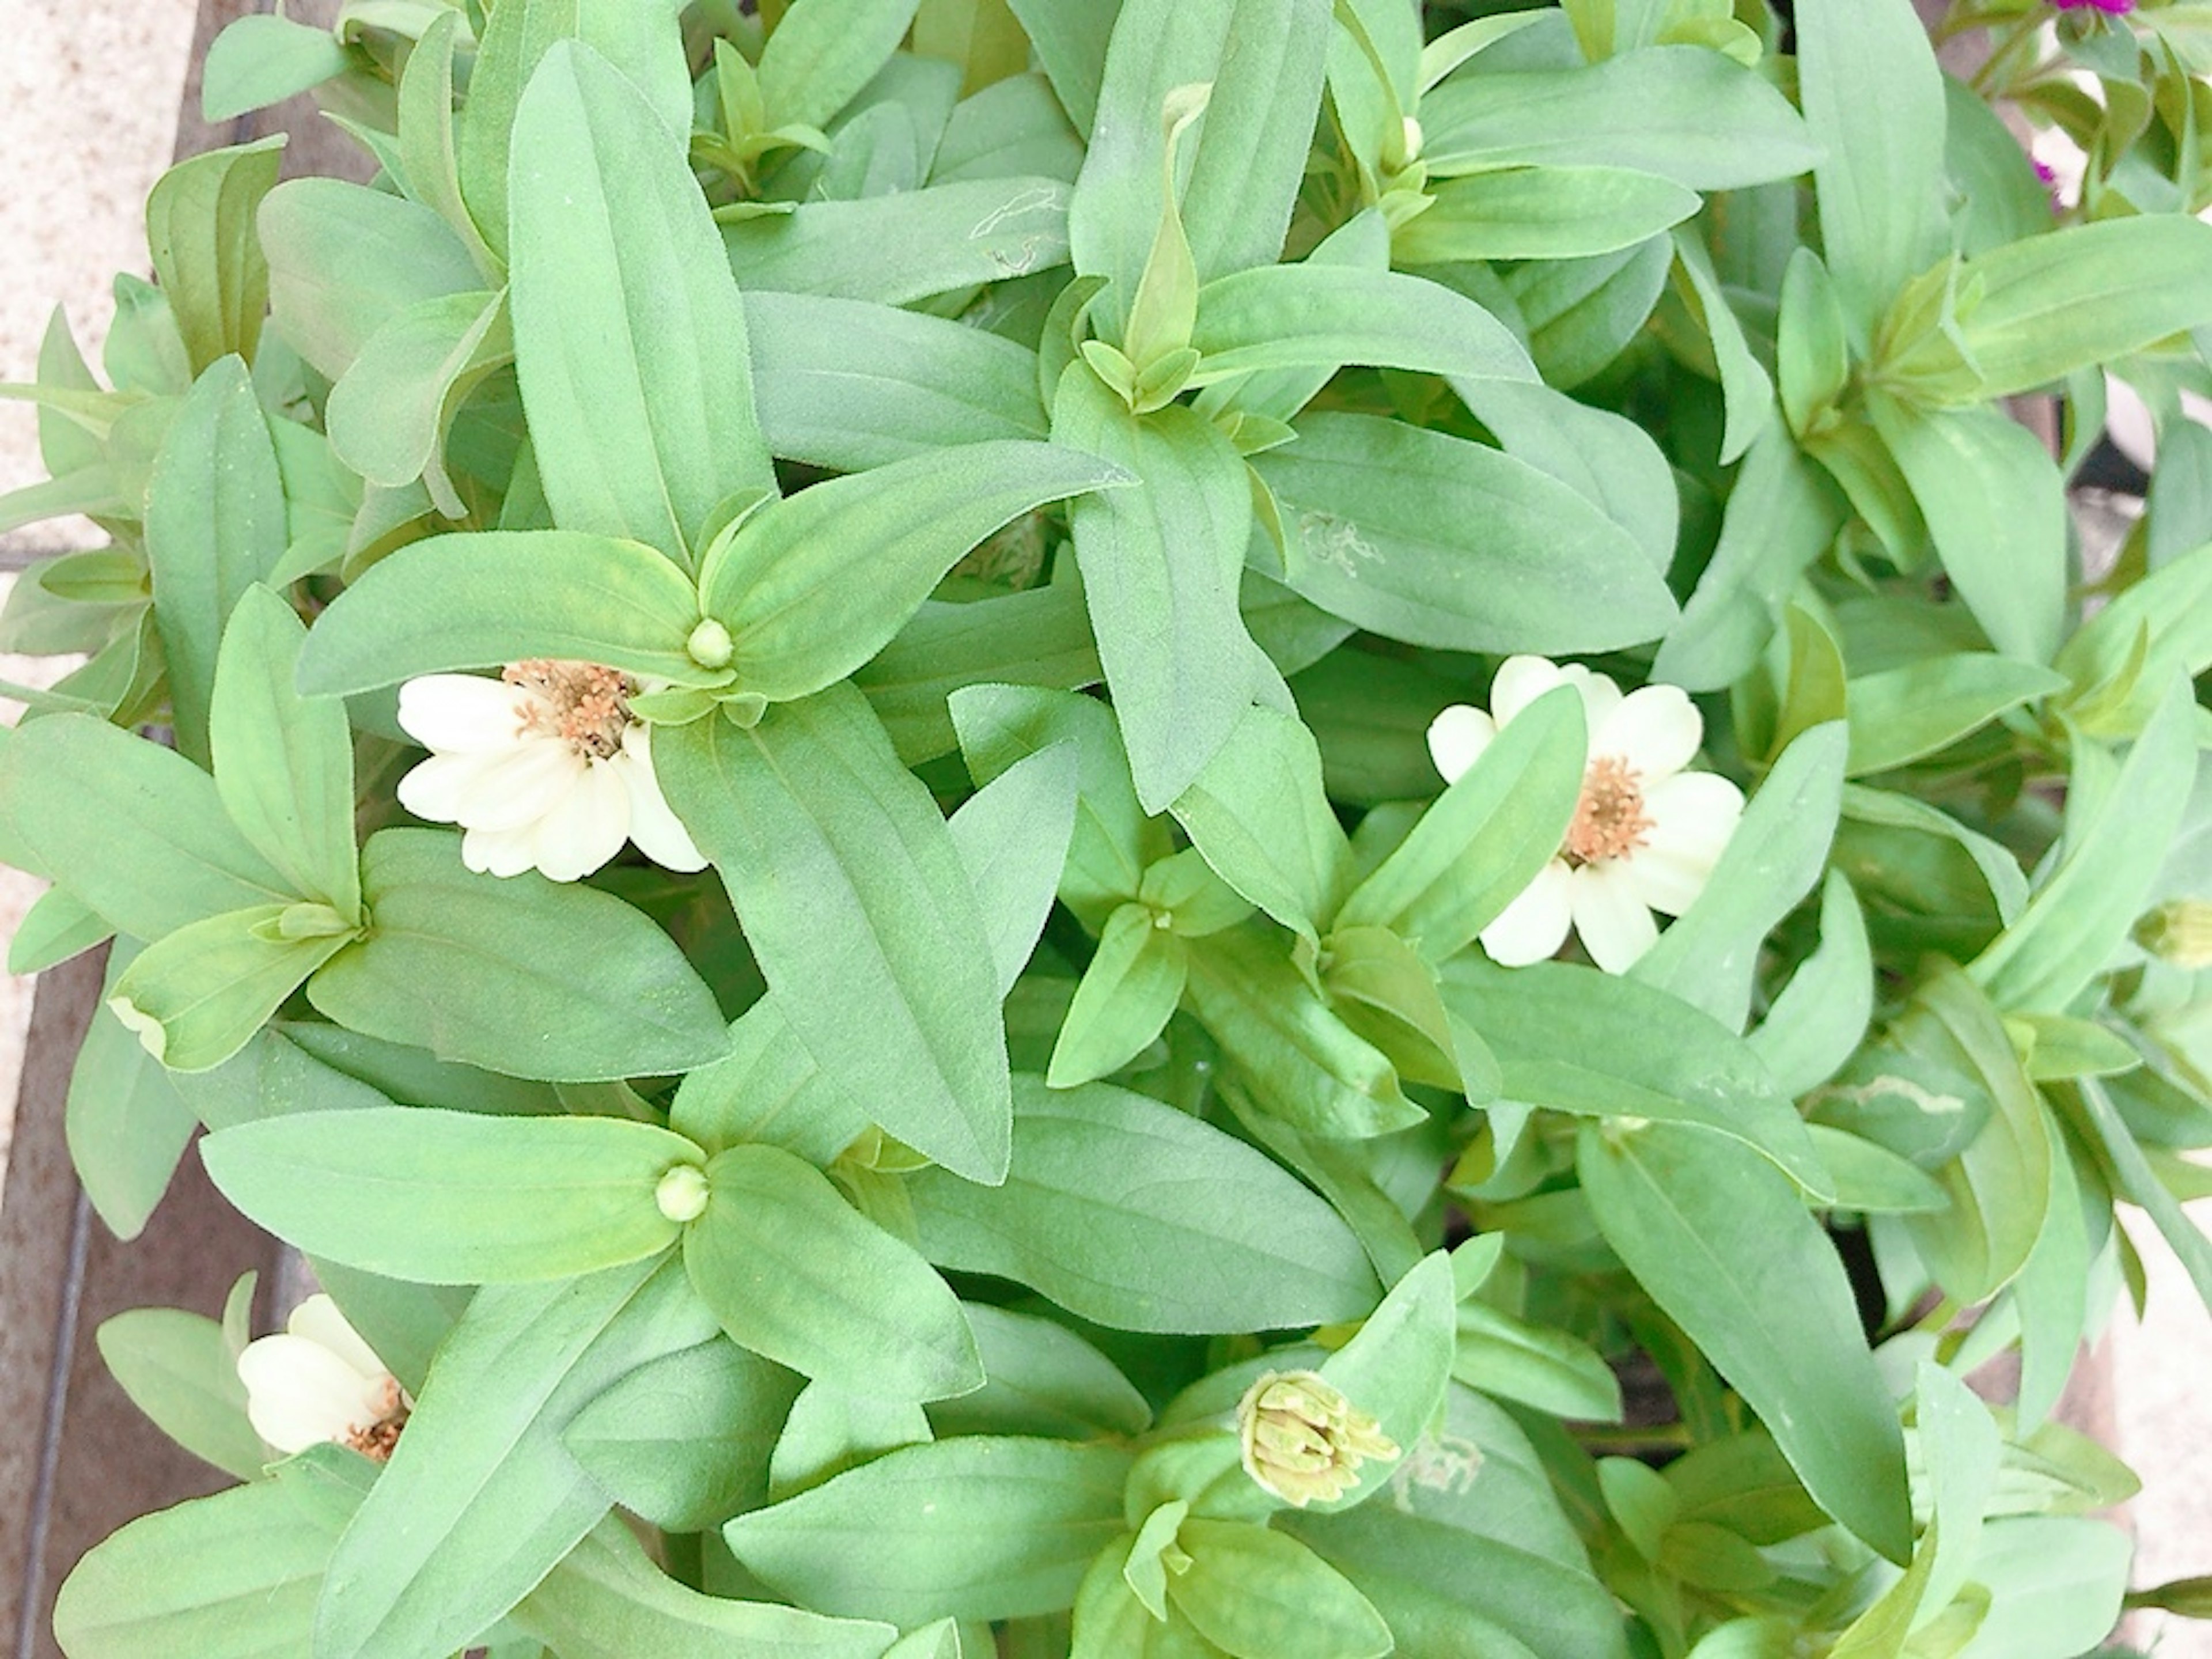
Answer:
[(521, 976), (1431, 539), (2107, 860), (200, 233), (823, 51), (1040, 1379), (1720, 1239), (1256, 1594), (1131, 1214), (769, 1091), (849, 385), (853, 898), (1513, 1360), (1040, 636), (125, 1126), (344, 260), (231, 1576), (1012, 836), (1483, 841), (1541, 213), (430, 135), (284, 762), (215, 525), (1001, 726), (1901, 714), (1874, 103), (1816, 1022), (389, 416), (629, 335), (1071, 39), (2138, 1181), (180, 1370), (1260, 816), (1683, 112), (1709, 956), (196, 996), (1996, 506), (977, 1528), (899, 248), (453, 1197), (795, 1273), (57, 926), (983, 36), (812, 587), (1571, 1039), (1131, 987), (135, 830), (1746, 389), (480, 1500), (607, 1600), (1161, 566), (2124, 657), (260, 61), (1314, 315), (479, 600)]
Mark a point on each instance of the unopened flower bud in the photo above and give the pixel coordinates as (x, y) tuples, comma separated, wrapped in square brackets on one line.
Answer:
[(710, 645), (1303, 1440), (2178, 933), (682, 1192), (1411, 135)]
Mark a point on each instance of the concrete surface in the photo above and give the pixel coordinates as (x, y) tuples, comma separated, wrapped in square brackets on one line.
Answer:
[(89, 105)]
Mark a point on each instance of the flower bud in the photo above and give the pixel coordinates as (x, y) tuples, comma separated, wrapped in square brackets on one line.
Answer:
[(2178, 933), (1411, 137), (682, 1192), (1303, 1440), (710, 645)]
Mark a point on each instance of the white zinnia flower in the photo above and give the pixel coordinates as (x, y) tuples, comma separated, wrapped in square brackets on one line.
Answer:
[(319, 1381), (1645, 834), (545, 766)]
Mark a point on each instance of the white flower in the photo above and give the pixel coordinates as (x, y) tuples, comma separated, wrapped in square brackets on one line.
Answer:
[(1645, 835), (319, 1381), (545, 766)]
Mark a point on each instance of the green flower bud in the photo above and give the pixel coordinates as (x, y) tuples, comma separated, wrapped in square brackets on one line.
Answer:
[(682, 1192), (1303, 1440), (710, 645), (2179, 933)]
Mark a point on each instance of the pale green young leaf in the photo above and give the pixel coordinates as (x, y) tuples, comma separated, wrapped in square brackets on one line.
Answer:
[(58, 926), (1259, 814), (983, 36), (812, 587), (847, 385), (389, 416), (1535, 1364), (1253, 1590), (854, 897), (606, 1599), (429, 136), (823, 51), (1124, 1000), (521, 976), (1721, 1241), (1746, 386), (1001, 726), (134, 830), (1901, 714), (453, 1198), (215, 525), (1709, 954), (2081, 913), (1541, 213), (481, 599), (630, 334), (796, 1274), (2123, 658), (1432, 539), (257, 61), (1682, 112), (480, 1499), (1013, 836), (1482, 843), (1812, 344), (1041, 1379), (125, 1125), (1874, 104), (284, 762), (1277, 317), (1130, 1213), (196, 996), (1571, 1039), (1160, 565), (896, 249), (200, 234), (983, 1526), (1816, 1022), (180, 1370)]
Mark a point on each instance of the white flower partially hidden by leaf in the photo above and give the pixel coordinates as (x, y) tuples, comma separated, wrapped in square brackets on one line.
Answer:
[(318, 1381), (545, 768), (1302, 1440), (1645, 835)]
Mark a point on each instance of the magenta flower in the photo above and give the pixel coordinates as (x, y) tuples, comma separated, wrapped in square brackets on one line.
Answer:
[(2110, 8)]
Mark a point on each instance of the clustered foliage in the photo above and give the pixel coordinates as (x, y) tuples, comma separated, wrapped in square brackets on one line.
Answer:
[(1065, 1176)]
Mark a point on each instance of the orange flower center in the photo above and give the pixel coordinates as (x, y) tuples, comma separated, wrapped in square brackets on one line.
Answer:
[(376, 1441), (1610, 821), (590, 703)]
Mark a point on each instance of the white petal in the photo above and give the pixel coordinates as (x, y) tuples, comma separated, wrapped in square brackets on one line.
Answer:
[(1520, 681), (318, 1320), (500, 852), (462, 714), (1692, 814), (1615, 925), (299, 1394), (1534, 926), (1655, 729), (657, 831), (1601, 696), (1457, 737), (587, 828), (440, 788), (521, 787)]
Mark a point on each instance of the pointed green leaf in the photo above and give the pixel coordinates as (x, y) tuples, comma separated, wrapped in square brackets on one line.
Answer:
[(196, 996), (1260, 816), (1012, 835), (1123, 1000), (180, 1369), (1327, 315), (200, 233)]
